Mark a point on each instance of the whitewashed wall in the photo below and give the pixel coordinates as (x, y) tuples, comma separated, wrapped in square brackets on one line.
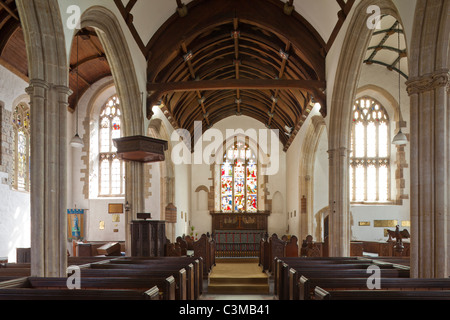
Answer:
[(15, 209)]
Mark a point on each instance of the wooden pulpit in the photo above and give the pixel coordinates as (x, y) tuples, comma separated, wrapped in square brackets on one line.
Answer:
[(148, 238)]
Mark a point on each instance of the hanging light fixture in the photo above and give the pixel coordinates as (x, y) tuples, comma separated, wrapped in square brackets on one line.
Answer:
[(76, 141), (400, 138)]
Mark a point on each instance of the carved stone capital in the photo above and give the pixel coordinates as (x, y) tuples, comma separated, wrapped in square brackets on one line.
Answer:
[(428, 82)]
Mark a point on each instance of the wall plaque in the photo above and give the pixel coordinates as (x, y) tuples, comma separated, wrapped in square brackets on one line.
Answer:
[(364, 223), (115, 208), (406, 223), (385, 223)]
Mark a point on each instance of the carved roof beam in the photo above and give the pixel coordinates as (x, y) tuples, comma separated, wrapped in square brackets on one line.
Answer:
[(237, 63), (9, 10), (284, 59), (201, 99)]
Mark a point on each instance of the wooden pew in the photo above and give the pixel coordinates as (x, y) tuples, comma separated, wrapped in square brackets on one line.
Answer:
[(289, 286), (28, 288), (189, 262), (186, 271), (15, 272), (180, 275), (321, 294), (65, 294), (205, 248), (183, 245), (166, 286), (278, 262), (292, 249), (287, 273), (306, 285), (277, 248), (262, 250)]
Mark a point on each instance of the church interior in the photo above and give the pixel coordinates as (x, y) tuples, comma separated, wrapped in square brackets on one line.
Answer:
[(224, 148)]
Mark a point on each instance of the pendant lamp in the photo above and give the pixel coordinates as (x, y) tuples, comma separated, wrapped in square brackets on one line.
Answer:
[(400, 138), (76, 141)]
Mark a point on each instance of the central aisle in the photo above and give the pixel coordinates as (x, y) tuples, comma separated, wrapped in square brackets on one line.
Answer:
[(238, 278)]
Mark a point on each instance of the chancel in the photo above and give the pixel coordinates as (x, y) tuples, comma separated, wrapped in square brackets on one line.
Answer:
[(322, 128)]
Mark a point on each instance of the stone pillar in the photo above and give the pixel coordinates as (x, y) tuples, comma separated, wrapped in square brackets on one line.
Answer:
[(134, 196), (430, 177), (339, 227), (48, 105)]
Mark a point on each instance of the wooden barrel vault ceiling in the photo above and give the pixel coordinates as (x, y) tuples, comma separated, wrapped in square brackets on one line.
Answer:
[(237, 57), (210, 60)]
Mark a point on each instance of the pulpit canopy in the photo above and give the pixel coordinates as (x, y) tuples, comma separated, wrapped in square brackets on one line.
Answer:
[(141, 149)]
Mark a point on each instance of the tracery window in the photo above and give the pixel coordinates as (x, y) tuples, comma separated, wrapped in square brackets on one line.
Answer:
[(369, 157), (239, 180), (112, 169), (21, 128)]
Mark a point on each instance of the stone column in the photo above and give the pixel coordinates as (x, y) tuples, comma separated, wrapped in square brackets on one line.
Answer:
[(430, 177), (48, 194), (134, 196), (339, 227)]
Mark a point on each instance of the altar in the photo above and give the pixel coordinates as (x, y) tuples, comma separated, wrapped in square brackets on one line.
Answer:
[(238, 234)]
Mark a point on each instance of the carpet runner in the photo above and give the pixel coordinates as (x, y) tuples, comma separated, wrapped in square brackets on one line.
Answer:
[(238, 276)]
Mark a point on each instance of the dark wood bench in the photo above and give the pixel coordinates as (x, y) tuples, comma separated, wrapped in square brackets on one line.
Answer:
[(321, 294), (65, 294), (27, 288), (288, 273), (191, 265), (166, 285), (173, 261), (307, 285), (15, 272), (180, 275)]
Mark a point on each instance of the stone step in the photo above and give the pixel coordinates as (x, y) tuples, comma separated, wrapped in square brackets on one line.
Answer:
[(238, 280), (234, 288)]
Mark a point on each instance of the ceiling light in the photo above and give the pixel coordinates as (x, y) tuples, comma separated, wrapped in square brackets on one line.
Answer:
[(76, 141), (400, 138)]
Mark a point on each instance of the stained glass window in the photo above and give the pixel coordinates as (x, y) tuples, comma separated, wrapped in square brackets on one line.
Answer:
[(369, 155), (239, 180), (112, 169), (21, 127)]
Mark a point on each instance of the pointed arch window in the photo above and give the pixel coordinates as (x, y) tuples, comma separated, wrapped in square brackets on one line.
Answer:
[(111, 169), (239, 180), (21, 128), (370, 152)]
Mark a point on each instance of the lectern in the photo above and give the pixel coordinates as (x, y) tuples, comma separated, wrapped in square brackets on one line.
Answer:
[(148, 238)]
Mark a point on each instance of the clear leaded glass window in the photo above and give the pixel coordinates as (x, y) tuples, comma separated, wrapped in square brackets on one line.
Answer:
[(112, 169), (21, 127), (239, 180), (369, 155)]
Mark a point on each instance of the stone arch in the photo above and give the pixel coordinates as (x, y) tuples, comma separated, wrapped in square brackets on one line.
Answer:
[(319, 217), (348, 72), (313, 134), (202, 194), (118, 54)]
